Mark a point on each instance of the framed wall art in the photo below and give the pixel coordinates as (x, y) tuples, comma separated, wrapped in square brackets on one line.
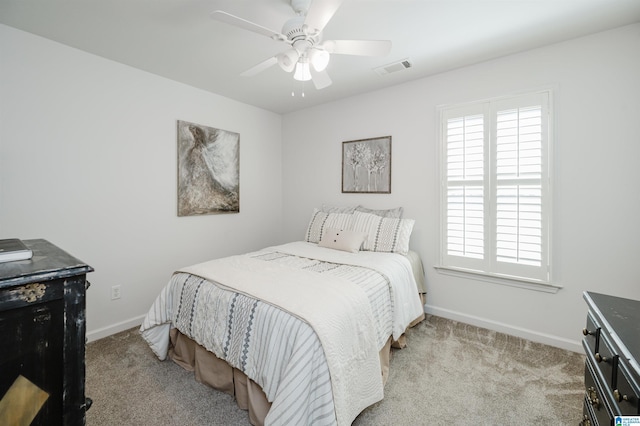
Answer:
[(208, 170), (366, 166)]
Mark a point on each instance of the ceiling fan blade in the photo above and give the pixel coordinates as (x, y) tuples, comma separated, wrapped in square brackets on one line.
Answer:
[(230, 19), (260, 67), (358, 47), (320, 13), (320, 79)]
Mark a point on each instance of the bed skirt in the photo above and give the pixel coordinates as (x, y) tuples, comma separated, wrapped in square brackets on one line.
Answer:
[(218, 374)]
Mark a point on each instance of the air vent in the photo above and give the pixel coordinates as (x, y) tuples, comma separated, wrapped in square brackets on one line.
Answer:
[(394, 67)]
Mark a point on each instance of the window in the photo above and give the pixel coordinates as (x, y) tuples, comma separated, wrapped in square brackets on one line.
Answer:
[(495, 187)]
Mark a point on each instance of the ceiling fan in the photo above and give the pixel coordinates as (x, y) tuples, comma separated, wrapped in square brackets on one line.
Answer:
[(308, 55)]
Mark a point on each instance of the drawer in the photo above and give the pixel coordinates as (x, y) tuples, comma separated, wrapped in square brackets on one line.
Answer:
[(595, 400), (625, 394), (32, 293)]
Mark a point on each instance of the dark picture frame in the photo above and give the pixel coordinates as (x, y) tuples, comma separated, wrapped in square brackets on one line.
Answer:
[(366, 166), (208, 170)]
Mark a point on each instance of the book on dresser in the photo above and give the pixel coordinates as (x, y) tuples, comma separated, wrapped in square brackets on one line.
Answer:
[(12, 249)]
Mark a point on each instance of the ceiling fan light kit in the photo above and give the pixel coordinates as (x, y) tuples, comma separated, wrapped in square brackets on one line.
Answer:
[(319, 58), (288, 59), (303, 73), (307, 56)]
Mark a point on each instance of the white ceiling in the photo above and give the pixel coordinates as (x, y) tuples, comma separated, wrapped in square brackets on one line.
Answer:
[(177, 39)]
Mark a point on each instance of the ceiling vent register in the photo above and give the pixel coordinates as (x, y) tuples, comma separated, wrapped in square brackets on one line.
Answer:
[(394, 67)]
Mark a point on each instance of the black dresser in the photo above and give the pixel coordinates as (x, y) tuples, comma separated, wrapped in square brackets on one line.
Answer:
[(612, 345), (42, 333)]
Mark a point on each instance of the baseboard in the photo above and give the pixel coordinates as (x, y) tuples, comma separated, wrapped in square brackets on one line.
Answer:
[(114, 328), (534, 336), (547, 339)]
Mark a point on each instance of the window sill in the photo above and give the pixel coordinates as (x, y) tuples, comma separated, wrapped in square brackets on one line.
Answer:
[(498, 279)]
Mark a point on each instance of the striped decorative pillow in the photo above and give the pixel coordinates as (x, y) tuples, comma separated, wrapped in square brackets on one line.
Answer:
[(385, 234), (320, 221)]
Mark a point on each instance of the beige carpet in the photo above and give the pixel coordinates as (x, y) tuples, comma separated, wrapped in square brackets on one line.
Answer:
[(451, 374)]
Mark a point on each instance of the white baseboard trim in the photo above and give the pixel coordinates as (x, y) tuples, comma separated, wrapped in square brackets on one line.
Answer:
[(547, 339), (114, 328)]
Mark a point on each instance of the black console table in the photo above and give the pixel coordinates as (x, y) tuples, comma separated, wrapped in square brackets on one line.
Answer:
[(42, 327), (612, 373)]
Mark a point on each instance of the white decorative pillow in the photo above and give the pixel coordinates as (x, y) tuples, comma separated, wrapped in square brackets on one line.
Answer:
[(344, 240), (384, 234), (320, 221), (397, 212), (336, 209)]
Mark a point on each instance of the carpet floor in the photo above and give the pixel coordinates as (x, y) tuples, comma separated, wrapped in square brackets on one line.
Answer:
[(450, 374)]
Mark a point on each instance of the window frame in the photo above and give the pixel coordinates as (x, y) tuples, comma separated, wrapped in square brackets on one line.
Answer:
[(488, 268)]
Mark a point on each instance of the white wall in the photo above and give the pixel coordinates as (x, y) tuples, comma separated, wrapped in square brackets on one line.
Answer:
[(88, 162), (596, 204)]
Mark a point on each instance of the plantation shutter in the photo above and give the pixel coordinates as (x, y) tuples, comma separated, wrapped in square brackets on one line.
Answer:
[(521, 186), (496, 187), (465, 186)]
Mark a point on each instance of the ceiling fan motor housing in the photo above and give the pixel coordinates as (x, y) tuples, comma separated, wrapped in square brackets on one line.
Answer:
[(294, 28), (295, 31)]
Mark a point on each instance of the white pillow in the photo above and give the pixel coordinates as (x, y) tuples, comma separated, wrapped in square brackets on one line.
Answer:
[(384, 234), (322, 220), (397, 212), (344, 240), (336, 209)]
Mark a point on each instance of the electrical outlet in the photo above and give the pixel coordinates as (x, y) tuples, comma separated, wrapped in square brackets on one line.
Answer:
[(115, 292)]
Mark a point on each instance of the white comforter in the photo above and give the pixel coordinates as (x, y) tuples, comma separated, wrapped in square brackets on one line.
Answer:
[(407, 305), (337, 310)]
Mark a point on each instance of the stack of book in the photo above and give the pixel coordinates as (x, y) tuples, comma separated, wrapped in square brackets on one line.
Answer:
[(13, 249)]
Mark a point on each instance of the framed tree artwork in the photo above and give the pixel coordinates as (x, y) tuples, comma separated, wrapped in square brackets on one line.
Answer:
[(366, 166), (208, 170)]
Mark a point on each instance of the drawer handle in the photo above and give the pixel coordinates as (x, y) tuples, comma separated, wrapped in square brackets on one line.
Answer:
[(585, 421), (601, 358), (586, 332), (592, 396), (31, 292), (619, 397)]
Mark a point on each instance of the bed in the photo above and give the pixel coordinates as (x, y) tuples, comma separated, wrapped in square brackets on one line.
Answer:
[(298, 333)]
